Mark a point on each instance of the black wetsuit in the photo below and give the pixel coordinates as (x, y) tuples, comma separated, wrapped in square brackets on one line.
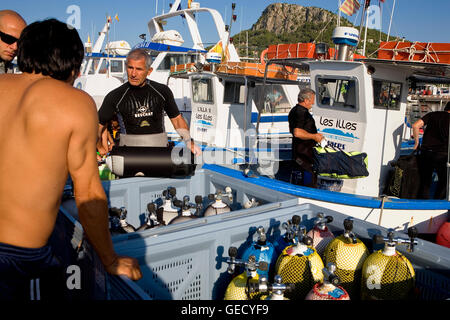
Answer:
[(434, 153), (302, 150), (139, 109)]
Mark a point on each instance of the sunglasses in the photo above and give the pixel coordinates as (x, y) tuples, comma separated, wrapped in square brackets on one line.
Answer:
[(8, 39)]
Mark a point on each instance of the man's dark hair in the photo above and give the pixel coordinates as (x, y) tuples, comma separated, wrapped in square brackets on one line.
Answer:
[(50, 47)]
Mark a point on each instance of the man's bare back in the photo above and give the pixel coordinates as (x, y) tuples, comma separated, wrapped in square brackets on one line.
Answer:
[(39, 118)]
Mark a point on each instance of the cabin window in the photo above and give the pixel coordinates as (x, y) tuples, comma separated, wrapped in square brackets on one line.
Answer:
[(175, 59), (93, 66), (340, 93), (116, 66), (103, 66), (202, 91), (232, 92), (274, 99), (386, 94)]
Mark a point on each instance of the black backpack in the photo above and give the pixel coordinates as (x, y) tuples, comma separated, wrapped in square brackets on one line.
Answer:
[(404, 180)]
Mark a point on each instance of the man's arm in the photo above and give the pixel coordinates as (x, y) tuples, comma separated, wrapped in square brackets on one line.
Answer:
[(105, 142), (305, 135), (182, 128), (89, 194), (416, 128)]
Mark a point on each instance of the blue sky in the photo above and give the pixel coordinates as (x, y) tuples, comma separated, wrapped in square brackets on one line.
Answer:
[(416, 20)]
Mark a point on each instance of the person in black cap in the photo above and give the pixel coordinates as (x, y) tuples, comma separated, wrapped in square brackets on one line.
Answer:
[(433, 151)]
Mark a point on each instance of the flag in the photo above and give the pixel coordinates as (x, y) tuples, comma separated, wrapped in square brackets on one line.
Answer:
[(350, 7), (117, 17), (109, 19), (189, 4)]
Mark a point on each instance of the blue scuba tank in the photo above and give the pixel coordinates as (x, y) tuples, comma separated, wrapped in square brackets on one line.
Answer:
[(263, 250), (289, 238), (387, 274), (238, 289)]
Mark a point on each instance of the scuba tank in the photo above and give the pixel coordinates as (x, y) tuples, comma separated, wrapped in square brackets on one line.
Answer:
[(276, 290), (118, 221), (289, 238), (263, 250), (387, 274), (329, 289), (218, 206), (170, 211), (251, 203), (443, 234), (300, 264), (238, 289), (154, 218), (320, 234), (185, 214), (348, 254)]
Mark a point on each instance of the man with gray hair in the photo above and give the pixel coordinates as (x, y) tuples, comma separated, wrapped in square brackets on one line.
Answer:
[(139, 105), (11, 26), (304, 137)]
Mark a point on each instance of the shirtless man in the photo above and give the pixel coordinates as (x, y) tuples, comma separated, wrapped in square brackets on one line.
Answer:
[(48, 129)]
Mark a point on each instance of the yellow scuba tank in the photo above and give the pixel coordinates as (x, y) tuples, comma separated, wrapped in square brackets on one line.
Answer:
[(320, 234), (238, 289), (387, 274), (348, 254), (276, 289), (329, 289), (300, 264)]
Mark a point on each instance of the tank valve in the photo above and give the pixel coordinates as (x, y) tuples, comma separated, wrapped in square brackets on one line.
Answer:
[(291, 227), (185, 205), (329, 274), (251, 265), (277, 288), (391, 242), (348, 230), (261, 235), (322, 220)]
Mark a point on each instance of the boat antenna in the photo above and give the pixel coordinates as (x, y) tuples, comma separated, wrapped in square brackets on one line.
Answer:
[(390, 21)]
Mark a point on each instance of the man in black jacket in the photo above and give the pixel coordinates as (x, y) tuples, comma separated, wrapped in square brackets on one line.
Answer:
[(433, 151), (304, 137)]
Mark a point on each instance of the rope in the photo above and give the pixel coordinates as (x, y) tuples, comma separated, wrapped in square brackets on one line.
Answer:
[(430, 55)]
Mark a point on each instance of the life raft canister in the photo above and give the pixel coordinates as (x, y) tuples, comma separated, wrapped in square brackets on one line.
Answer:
[(238, 288), (320, 234), (348, 254), (263, 250), (300, 264), (387, 274), (329, 289)]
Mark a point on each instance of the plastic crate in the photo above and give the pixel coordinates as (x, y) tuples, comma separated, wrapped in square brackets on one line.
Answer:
[(186, 261)]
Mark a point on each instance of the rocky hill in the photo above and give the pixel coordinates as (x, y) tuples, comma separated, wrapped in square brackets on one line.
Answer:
[(292, 23)]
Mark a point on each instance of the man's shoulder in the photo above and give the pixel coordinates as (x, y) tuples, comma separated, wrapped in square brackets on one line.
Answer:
[(118, 91), (161, 87)]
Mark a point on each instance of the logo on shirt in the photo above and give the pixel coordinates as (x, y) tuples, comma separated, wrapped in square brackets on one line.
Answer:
[(143, 111)]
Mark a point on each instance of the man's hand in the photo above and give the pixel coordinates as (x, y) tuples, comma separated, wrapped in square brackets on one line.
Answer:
[(318, 137), (195, 149), (126, 266), (105, 142)]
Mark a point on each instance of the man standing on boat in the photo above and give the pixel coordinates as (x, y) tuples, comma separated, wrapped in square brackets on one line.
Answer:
[(49, 130), (11, 25), (140, 104), (433, 151), (303, 129)]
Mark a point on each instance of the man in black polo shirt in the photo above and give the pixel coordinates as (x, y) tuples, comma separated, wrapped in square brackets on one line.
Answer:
[(303, 129), (433, 151), (139, 105)]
